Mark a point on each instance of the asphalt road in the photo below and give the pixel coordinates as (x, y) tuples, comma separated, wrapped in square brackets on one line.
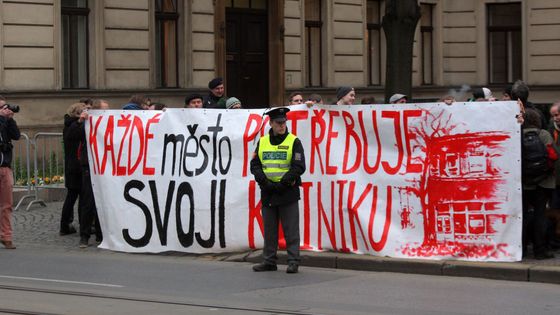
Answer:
[(58, 281)]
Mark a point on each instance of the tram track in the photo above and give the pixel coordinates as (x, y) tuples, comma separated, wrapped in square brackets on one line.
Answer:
[(133, 299), (22, 312)]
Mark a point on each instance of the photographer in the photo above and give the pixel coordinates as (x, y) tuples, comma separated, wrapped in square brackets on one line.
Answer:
[(8, 131)]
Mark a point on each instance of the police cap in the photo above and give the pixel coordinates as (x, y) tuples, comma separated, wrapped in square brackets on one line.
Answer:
[(278, 114)]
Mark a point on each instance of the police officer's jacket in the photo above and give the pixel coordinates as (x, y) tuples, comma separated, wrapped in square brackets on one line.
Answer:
[(287, 189)]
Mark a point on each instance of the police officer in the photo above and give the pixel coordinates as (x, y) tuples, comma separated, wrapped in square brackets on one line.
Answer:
[(277, 164)]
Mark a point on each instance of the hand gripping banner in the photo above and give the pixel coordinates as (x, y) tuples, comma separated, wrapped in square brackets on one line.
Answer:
[(415, 180)]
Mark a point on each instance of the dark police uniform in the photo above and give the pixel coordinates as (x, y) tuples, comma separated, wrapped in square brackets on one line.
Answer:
[(277, 165)]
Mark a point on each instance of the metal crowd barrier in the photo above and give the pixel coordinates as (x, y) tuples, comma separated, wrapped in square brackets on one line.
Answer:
[(48, 166), (22, 167)]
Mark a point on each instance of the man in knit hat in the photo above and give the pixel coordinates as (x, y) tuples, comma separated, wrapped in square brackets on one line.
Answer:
[(233, 103), (216, 97), (345, 95), (398, 99), (482, 95), (193, 101)]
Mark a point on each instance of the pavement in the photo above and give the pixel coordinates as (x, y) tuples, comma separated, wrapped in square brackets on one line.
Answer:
[(38, 228)]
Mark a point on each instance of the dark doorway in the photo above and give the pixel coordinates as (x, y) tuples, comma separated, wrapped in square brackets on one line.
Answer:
[(247, 56)]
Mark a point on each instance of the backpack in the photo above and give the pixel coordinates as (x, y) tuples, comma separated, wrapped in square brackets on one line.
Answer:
[(534, 159)]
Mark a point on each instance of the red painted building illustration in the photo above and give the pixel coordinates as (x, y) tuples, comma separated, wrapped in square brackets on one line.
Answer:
[(463, 200), (460, 190)]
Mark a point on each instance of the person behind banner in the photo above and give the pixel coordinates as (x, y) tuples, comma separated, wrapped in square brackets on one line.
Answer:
[(158, 106), (71, 137), (8, 131), (193, 101), (447, 100), (87, 209), (233, 103), (137, 102), (277, 164), (314, 99), (295, 98), (87, 101), (538, 157), (520, 93), (553, 214), (345, 95), (367, 100), (482, 95), (506, 95), (398, 99), (216, 97)]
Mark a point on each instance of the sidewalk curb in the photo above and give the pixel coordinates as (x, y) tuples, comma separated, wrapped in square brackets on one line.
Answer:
[(547, 274), (384, 264), (487, 270)]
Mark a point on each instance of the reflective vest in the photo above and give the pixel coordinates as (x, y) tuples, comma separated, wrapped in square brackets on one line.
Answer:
[(276, 159)]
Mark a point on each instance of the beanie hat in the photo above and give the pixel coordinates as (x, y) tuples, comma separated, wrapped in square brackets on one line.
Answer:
[(215, 82), (232, 101), (397, 97), (487, 93), (342, 91), (483, 93), (478, 93), (191, 97)]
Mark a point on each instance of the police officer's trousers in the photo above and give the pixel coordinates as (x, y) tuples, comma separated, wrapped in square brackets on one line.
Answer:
[(288, 215)]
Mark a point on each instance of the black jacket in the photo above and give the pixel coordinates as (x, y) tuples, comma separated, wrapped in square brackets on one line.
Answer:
[(72, 136), (212, 101), (84, 161), (287, 191), (79, 131), (8, 131)]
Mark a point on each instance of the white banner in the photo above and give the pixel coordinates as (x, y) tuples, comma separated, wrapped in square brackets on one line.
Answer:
[(417, 180)]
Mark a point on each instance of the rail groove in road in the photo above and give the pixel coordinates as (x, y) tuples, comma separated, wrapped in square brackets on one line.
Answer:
[(21, 312), (132, 299)]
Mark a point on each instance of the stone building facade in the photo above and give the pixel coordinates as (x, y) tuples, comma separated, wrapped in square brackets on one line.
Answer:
[(53, 52)]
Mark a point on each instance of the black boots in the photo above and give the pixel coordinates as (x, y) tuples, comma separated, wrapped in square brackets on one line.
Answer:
[(292, 268), (264, 267)]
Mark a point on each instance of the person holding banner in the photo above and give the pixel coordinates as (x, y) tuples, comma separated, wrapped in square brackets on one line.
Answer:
[(295, 98), (277, 164), (87, 208), (71, 136), (345, 95)]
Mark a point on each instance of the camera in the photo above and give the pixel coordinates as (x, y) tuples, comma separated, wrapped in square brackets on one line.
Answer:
[(13, 107)]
